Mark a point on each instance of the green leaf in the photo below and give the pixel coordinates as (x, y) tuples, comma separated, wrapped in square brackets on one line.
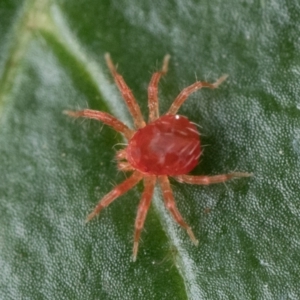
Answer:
[(53, 169)]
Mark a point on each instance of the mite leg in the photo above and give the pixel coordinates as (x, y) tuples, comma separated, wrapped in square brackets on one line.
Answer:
[(115, 193), (153, 90), (103, 117), (171, 206), (149, 183), (179, 100), (206, 180), (127, 95)]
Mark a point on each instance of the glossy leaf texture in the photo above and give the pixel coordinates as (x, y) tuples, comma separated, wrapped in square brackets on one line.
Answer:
[(54, 169)]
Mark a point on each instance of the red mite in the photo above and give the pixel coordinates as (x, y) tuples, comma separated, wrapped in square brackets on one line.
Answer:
[(167, 146)]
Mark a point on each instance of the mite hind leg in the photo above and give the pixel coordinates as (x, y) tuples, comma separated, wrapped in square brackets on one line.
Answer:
[(181, 98), (206, 180)]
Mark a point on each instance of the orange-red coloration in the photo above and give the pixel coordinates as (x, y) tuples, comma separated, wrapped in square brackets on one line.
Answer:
[(167, 146)]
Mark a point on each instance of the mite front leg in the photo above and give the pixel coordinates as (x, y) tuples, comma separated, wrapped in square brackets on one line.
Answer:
[(115, 193), (149, 183), (171, 206), (191, 89), (206, 180), (153, 90), (127, 95), (103, 117)]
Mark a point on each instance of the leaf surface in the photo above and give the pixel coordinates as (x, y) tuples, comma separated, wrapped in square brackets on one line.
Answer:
[(54, 169)]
